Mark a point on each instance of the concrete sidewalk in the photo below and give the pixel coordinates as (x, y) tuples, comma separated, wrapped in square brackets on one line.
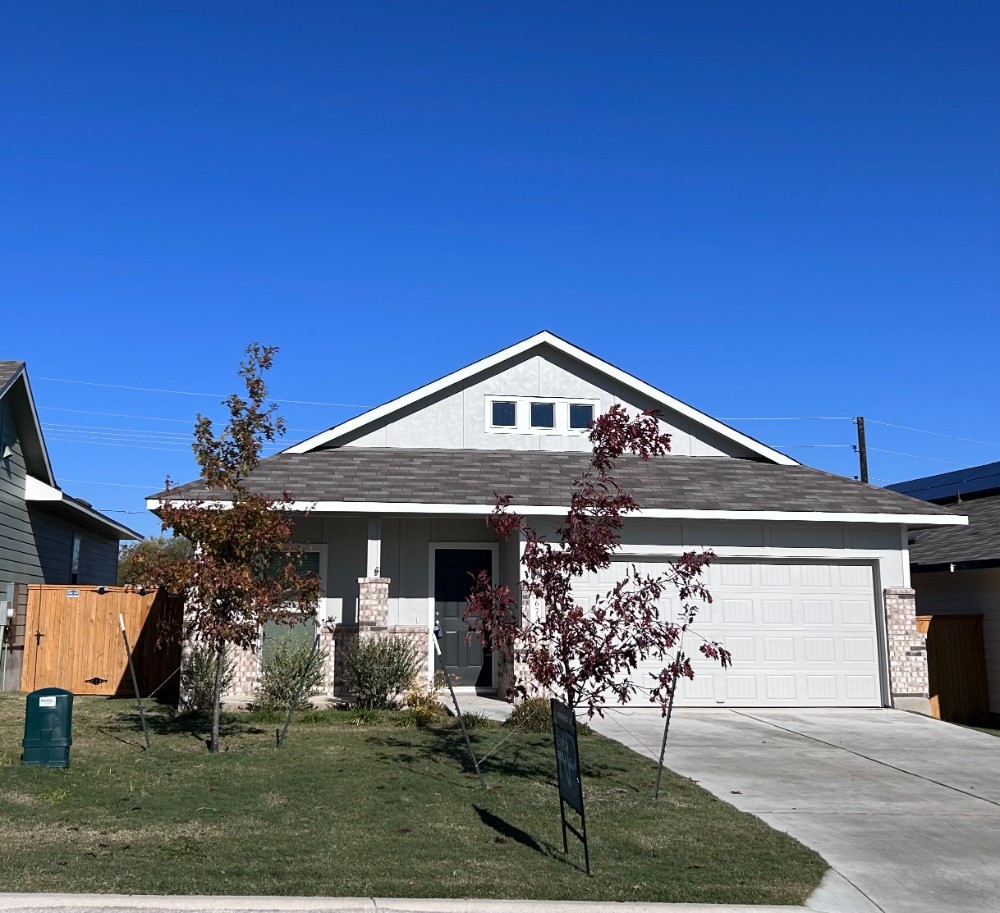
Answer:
[(134, 903)]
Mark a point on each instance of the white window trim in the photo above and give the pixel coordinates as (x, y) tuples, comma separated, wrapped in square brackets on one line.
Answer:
[(522, 405)]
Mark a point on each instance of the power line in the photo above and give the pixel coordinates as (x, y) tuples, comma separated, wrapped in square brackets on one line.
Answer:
[(790, 446), (92, 383), (788, 418), (113, 484), (153, 418), (955, 437), (915, 456)]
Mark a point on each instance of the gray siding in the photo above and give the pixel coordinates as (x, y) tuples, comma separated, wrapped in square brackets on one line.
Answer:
[(18, 554), (456, 418), (967, 592), (36, 546)]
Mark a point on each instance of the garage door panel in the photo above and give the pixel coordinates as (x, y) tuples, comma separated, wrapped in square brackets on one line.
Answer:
[(801, 634)]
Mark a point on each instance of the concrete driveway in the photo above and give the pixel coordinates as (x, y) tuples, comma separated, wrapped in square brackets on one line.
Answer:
[(905, 808)]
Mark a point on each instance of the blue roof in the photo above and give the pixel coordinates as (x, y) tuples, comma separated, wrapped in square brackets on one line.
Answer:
[(974, 481)]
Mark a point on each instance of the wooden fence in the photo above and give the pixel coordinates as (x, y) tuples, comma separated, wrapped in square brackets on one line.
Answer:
[(73, 640), (956, 666)]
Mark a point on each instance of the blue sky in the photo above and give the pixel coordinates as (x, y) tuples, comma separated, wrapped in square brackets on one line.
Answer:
[(767, 209)]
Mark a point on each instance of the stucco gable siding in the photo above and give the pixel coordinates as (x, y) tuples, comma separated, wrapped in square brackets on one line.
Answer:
[(457, 418)]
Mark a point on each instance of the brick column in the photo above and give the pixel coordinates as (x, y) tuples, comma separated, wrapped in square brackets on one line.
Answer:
[(373, 604), (907, 648)]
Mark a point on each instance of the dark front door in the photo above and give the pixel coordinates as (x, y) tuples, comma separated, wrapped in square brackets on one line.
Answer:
[(455, 570)]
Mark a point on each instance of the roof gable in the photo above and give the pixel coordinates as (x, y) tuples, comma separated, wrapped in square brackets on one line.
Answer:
[(678, 416), (15, 395)]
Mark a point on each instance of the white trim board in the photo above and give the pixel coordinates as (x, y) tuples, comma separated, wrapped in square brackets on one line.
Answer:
[(520, 348), (550, 510)]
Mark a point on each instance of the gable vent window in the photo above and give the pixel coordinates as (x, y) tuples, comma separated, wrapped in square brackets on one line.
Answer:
[(580, 416), (543, 415), (504, 414)]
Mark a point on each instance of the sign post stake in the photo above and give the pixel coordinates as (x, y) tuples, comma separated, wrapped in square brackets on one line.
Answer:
[(663, 744), (135, 681), (458, 713), (568, 769)]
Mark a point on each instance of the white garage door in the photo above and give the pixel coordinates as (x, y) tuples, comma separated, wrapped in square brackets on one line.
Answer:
[(801, 635)]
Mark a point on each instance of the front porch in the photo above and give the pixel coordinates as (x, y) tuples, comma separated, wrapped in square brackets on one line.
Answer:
[(402, 576)]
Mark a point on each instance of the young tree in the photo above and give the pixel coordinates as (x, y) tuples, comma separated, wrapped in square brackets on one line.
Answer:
[(579, 653), (137, 562), (243, 571)]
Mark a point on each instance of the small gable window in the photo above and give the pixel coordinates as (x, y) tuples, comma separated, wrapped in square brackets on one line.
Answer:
[(504, 414), (580, 415), (543, 415)]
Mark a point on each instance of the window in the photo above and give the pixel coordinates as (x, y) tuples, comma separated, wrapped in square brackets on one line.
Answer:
[(580, 415), (74, 561), (543, 415), (504, 414)]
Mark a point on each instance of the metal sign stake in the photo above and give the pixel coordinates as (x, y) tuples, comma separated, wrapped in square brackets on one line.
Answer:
[(135, 682), (458, 713)]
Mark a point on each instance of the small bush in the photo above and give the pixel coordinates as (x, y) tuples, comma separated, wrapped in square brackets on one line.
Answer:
[(531, 715), (198, 679), (282, 670), (382, 668), (366, 716), (476, 720)]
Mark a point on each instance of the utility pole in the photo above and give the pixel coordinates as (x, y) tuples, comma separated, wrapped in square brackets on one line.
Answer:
[(861, 449)]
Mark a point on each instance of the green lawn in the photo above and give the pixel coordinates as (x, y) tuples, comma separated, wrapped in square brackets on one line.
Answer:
[(366, 811)]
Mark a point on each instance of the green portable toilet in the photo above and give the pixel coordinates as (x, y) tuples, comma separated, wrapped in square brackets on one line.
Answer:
[(48, 723)]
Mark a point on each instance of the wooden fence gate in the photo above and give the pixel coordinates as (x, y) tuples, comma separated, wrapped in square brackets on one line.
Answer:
[(73, 640), (956, 667)]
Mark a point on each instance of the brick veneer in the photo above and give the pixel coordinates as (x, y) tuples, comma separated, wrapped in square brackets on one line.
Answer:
[(373, 621), (907, 649)]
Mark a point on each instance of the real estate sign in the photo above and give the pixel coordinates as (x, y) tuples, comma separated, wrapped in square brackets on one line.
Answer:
[(568, 774)]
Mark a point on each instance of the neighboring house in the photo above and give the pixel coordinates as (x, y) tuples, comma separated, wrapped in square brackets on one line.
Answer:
[(811, 586), (46, 536), (956, 571)]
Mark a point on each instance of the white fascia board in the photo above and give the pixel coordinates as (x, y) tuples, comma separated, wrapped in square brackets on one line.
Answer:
[(519, 348), (35, 490), (548, 510)]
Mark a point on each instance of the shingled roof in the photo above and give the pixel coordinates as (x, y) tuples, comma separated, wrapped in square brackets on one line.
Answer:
[(8, 370), (475, 477), (977, 543)]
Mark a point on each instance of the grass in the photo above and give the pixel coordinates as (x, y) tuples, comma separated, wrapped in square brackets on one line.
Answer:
[(366, 806)]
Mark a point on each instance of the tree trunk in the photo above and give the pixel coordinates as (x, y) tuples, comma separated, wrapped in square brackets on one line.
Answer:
[(220, 660)]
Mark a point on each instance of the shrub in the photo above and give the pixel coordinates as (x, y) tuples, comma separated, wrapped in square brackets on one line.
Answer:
[(476, 720), (282, 670), (366, 716), (531, 715), (198, 679), (381, 668)]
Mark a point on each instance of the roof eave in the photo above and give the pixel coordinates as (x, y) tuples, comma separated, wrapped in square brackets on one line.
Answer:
[(555, 510)]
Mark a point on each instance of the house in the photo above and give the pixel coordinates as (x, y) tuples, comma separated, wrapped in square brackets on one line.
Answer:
[(46, 536), (956, 570), (811, 587)]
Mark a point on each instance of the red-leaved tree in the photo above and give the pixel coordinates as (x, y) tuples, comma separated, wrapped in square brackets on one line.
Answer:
[(243, 571), (586, 654)]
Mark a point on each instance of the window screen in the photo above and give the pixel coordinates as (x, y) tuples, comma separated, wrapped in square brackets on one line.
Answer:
[(543, 415), (504, 414), (581, 415)]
